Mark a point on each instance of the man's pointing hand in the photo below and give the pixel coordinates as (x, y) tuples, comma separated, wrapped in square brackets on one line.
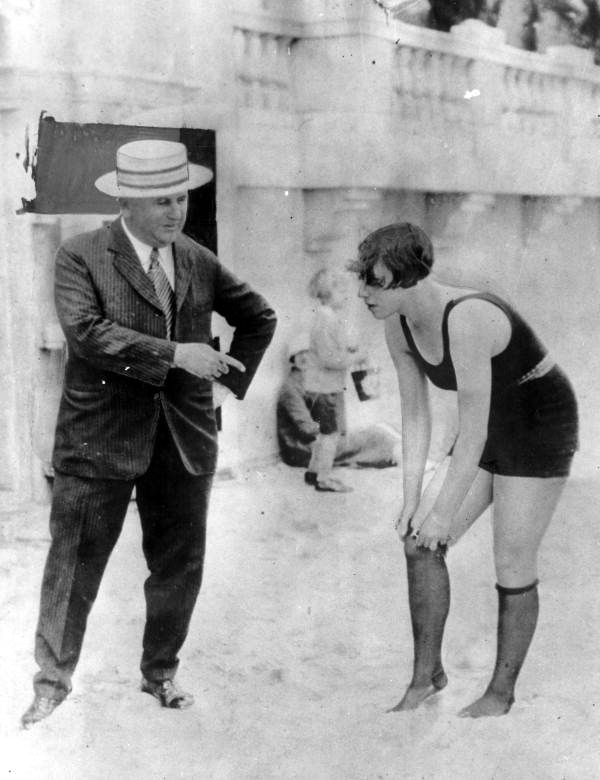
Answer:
[(204, 361)]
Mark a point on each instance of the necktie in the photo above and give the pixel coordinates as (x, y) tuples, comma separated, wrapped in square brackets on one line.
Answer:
[(164, 291)]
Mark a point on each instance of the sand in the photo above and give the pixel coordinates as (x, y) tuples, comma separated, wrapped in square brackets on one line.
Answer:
[(299, 644)]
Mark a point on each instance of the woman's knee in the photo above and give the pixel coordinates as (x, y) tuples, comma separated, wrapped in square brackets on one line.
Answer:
[(516, 570), (410, 547), (415, 553)]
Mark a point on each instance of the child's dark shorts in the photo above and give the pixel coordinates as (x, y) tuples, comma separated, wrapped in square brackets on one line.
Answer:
[(325, 408)]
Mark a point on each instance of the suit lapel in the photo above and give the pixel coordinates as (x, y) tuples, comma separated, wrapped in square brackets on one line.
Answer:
[(128, 264)]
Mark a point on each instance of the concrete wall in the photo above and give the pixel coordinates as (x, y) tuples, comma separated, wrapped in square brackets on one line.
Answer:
[(558, 287), (330, 122)]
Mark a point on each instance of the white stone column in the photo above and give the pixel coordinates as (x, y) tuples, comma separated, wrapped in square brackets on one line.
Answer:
[(458, 224), (19, 317), (10, 469)]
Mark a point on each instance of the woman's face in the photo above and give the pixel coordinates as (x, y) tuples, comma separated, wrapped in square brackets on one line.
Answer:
[(381, 301)]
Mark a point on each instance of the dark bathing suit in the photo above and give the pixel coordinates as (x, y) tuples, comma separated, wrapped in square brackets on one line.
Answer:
[(532, 426)]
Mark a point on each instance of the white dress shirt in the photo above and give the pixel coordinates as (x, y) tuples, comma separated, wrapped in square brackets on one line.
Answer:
[(142, 250)]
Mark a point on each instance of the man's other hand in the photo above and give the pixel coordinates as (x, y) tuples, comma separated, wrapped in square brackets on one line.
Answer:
[(204, 361)]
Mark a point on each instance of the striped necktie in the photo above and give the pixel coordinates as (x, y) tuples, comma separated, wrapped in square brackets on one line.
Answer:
[(164, 291)]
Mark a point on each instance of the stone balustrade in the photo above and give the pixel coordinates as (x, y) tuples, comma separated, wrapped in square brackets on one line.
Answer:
[(441, 82), (262, 69), (431, 87), (399, 106)]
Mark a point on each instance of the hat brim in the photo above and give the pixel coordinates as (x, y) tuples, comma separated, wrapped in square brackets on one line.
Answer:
[(198, 175)]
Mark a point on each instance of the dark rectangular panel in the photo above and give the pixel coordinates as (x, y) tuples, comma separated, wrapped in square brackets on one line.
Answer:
[(71, 156)]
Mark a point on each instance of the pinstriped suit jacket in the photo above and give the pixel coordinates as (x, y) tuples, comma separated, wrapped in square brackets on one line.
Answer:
[(118, 374)]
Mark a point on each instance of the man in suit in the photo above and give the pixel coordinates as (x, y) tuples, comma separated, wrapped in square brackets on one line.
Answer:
[(141, 384)]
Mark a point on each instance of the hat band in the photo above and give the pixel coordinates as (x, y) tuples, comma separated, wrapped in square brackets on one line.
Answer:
[(152, 180)]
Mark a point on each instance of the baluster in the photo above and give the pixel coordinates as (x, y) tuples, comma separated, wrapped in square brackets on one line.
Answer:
[(404, 74), (480, 100), (555, 104), (430, 88), (253, 57), (522, 98), (594, 110), (458, 88), (535, 105), (418, 78), (282, 66), (578, 106), (544, 117), (533, 101), (452, 86), (543, 109), (515, 96), (507, 96), (454, 89), (239, 48), (443, 98), (265, 69), (397, 79)]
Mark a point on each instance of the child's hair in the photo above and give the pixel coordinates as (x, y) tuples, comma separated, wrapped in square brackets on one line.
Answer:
[(403, 248), (323, 283)]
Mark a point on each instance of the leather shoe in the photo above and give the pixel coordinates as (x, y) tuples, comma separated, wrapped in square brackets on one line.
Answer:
[(310, 477), (168, 693), (41, 707)]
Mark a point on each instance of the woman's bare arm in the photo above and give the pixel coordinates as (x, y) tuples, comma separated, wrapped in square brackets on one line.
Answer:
[(477, 331), (416, 420)]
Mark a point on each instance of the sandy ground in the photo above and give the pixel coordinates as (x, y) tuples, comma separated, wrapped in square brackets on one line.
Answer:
[(301, 641)]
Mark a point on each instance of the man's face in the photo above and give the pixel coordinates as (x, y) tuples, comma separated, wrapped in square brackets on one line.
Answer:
[(156, 221)]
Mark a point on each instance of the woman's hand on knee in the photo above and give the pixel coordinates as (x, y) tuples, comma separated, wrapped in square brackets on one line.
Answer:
[(432, 531), (404, 521)]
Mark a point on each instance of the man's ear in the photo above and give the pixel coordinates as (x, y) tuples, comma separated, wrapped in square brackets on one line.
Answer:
[(124, 206)]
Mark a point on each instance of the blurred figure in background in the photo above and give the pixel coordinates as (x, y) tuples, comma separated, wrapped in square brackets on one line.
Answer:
[(330, 356), (374, 446)]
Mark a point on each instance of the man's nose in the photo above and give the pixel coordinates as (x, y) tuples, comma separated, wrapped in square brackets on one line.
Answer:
[(177, 210), (362, 289)]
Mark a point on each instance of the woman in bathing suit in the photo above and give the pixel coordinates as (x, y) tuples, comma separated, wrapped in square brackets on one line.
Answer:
[(516, 440)]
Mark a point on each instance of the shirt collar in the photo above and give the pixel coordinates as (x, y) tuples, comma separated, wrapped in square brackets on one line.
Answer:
[(143, 250)]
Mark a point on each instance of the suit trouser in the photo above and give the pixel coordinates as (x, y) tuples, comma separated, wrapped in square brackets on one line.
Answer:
[(85, 522)]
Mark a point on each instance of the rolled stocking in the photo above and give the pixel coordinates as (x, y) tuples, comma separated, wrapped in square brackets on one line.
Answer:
[(429, 601), (517, 618)]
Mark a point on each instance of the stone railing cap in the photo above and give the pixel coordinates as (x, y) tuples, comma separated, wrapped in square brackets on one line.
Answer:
[(574, 55)]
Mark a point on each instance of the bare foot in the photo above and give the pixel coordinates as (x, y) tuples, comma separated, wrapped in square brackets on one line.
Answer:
[(489, 705), (416, 694)]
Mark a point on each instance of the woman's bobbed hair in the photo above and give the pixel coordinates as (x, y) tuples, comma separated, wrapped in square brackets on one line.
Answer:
[(403, 248)]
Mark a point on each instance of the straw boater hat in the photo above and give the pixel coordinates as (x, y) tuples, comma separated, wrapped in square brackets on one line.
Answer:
[(151, 169)]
